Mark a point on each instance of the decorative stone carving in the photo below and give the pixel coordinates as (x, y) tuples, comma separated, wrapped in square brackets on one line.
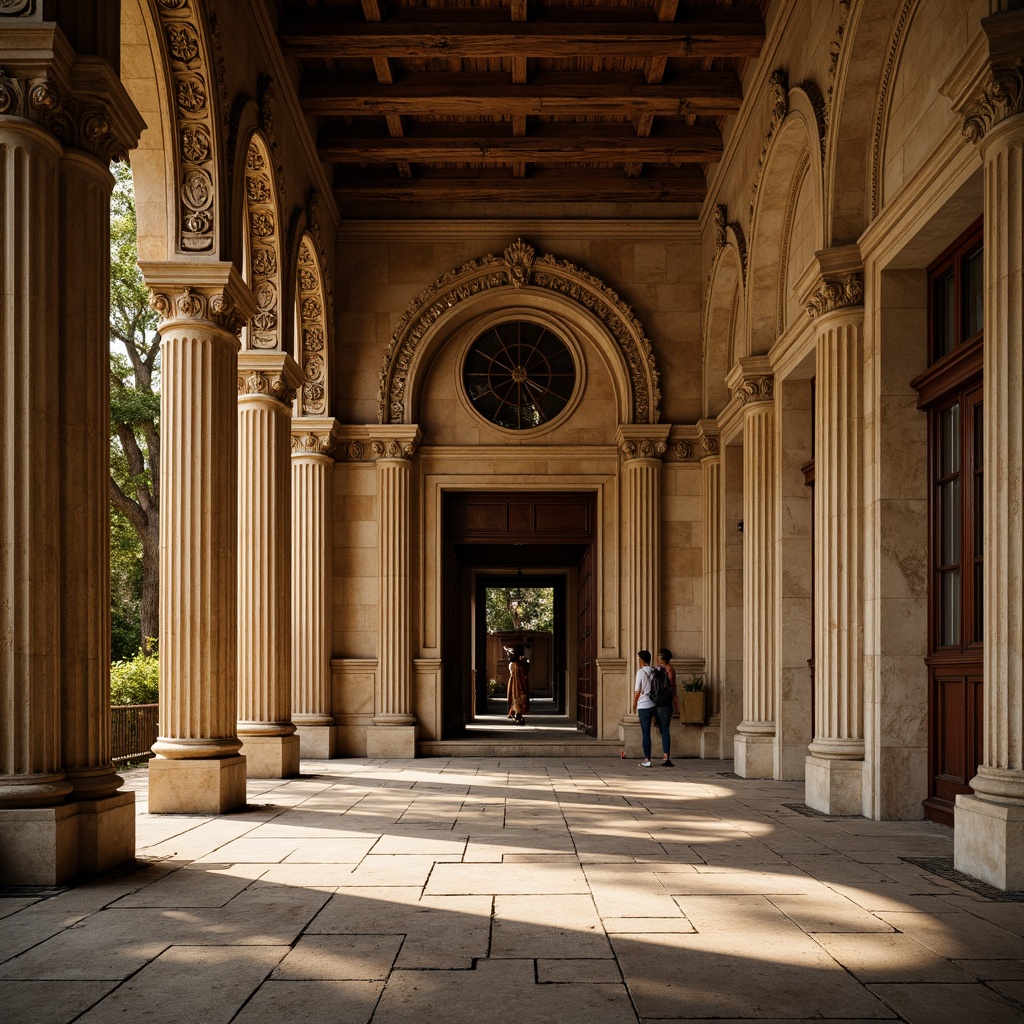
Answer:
[(755, 389), (212, 306), (837, 294), (721, 216), (267, 92), (1002, 96), (318, 443), (820, 108), (708, 446), (16, 8), (273, 385), (834, 49), (548, 272), (195, 114), (392, 448), (680, 451), (643, 448), (896, 42), (519, 258), (312, 331), (779, 88), (264, 247)]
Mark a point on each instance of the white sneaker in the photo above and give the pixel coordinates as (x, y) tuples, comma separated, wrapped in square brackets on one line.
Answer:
[(645, 764)]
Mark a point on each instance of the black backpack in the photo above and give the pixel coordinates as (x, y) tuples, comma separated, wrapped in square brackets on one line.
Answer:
[(661, 692)]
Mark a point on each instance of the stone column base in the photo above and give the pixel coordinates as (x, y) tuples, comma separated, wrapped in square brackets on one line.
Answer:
[(711, 742), (317, 742), (196, 785), (106, 832), (270, 757), (391, 741), (754, 755), (988, 841), (834, 785)]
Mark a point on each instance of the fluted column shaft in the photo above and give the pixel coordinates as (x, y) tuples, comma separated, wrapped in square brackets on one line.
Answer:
[(264, 550), (30, 754), (712, 603), (642, 479), (839, 537), (312, 472), (85, 186), (1002, 771), (394, 495), (758, 569)]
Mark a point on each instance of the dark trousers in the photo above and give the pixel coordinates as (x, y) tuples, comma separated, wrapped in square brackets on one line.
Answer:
[(664, 718)]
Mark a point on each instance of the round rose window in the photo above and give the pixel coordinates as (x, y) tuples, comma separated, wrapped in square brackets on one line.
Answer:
[(519, 375)]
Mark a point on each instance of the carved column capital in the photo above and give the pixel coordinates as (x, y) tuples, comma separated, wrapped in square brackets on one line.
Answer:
[(392, 448), (642, 441), (755, 389), (1001, 95), (708, 440), (318, 435), (270, 374), (836, 293), (205, 293)]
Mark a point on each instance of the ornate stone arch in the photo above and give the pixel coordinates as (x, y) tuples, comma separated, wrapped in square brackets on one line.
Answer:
[(723, 306), (313, 349), (516, 269), (195, 116), (261, 267)]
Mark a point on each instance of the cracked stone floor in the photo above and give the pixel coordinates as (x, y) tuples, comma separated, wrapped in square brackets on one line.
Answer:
[(469, 891)]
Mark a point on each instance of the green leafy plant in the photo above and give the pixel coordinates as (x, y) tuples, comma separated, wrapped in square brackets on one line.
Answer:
[(695, 684), (136, 680)]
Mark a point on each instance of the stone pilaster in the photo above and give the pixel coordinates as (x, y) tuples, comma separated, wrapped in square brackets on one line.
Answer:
[(834, 767), (313, 442), (266, 389), (989, 832), (753, 387), (202, 308), (393, 733), (712, 586), (641, 446)]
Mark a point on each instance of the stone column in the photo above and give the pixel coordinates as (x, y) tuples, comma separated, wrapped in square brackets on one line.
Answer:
[(989, 824), (754, 744), (393, 733), (313, 440), (712, 586), (266, 389), (642, 447), (835, 765), (202, 307)]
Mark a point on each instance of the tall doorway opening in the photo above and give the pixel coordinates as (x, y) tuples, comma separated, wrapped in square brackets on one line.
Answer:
[(501, 548)]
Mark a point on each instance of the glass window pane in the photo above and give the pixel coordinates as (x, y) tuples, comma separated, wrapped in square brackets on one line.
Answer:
[(974, 292), (945, 333), (949, 609), (949, 441), (979, 603), (949, 524)]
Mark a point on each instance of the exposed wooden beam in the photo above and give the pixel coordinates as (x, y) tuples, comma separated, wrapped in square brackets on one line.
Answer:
[(373, 11), (580, 32), (545, 184), (622, 94), (552, 143), (654, 72)]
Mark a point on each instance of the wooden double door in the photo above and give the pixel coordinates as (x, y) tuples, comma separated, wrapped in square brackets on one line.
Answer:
[(490, 536)]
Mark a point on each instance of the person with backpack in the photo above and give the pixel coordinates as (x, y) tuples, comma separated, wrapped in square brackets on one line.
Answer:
[(666, 701), (643, 703)]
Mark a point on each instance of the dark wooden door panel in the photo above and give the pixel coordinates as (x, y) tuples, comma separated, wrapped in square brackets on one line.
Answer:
[(586, 683)]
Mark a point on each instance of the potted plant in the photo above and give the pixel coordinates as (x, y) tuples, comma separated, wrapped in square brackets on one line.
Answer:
[(691, 700)]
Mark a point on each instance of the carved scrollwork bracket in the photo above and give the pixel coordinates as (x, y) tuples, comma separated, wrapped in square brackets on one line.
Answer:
[(1002, 96)]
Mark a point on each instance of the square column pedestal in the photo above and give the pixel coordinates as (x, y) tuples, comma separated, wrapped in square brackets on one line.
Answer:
[(270, 757), (196, 785), (387, 741), (834, 785), (988, 841), (317, 742), (49, 845), (685, 739), (754, 755)]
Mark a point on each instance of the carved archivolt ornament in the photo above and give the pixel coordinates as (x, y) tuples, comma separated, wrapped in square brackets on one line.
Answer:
[(76, 125), (390, 448), (316, 443), (212, 307), (896, 41), (779, 88), (312, 331), (722, 227), (820, 109), (836, 294), (518, 268), (755, 389), (261, 213), (267, 92), (270, 385), (644, 448), (195, 115), (1001, 97), (834, 49)]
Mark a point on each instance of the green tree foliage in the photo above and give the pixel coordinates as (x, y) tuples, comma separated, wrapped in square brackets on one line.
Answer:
[(135, 680), (135, 434), (511, 609)]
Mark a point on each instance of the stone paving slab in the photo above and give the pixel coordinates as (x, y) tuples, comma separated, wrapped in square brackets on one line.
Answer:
[(530, 890)]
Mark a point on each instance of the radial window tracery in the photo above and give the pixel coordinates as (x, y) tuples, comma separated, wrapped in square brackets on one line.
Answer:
[(519, 375)]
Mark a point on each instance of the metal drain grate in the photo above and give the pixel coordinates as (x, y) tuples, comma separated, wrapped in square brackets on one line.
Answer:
[(31, 892), (943, 867)]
